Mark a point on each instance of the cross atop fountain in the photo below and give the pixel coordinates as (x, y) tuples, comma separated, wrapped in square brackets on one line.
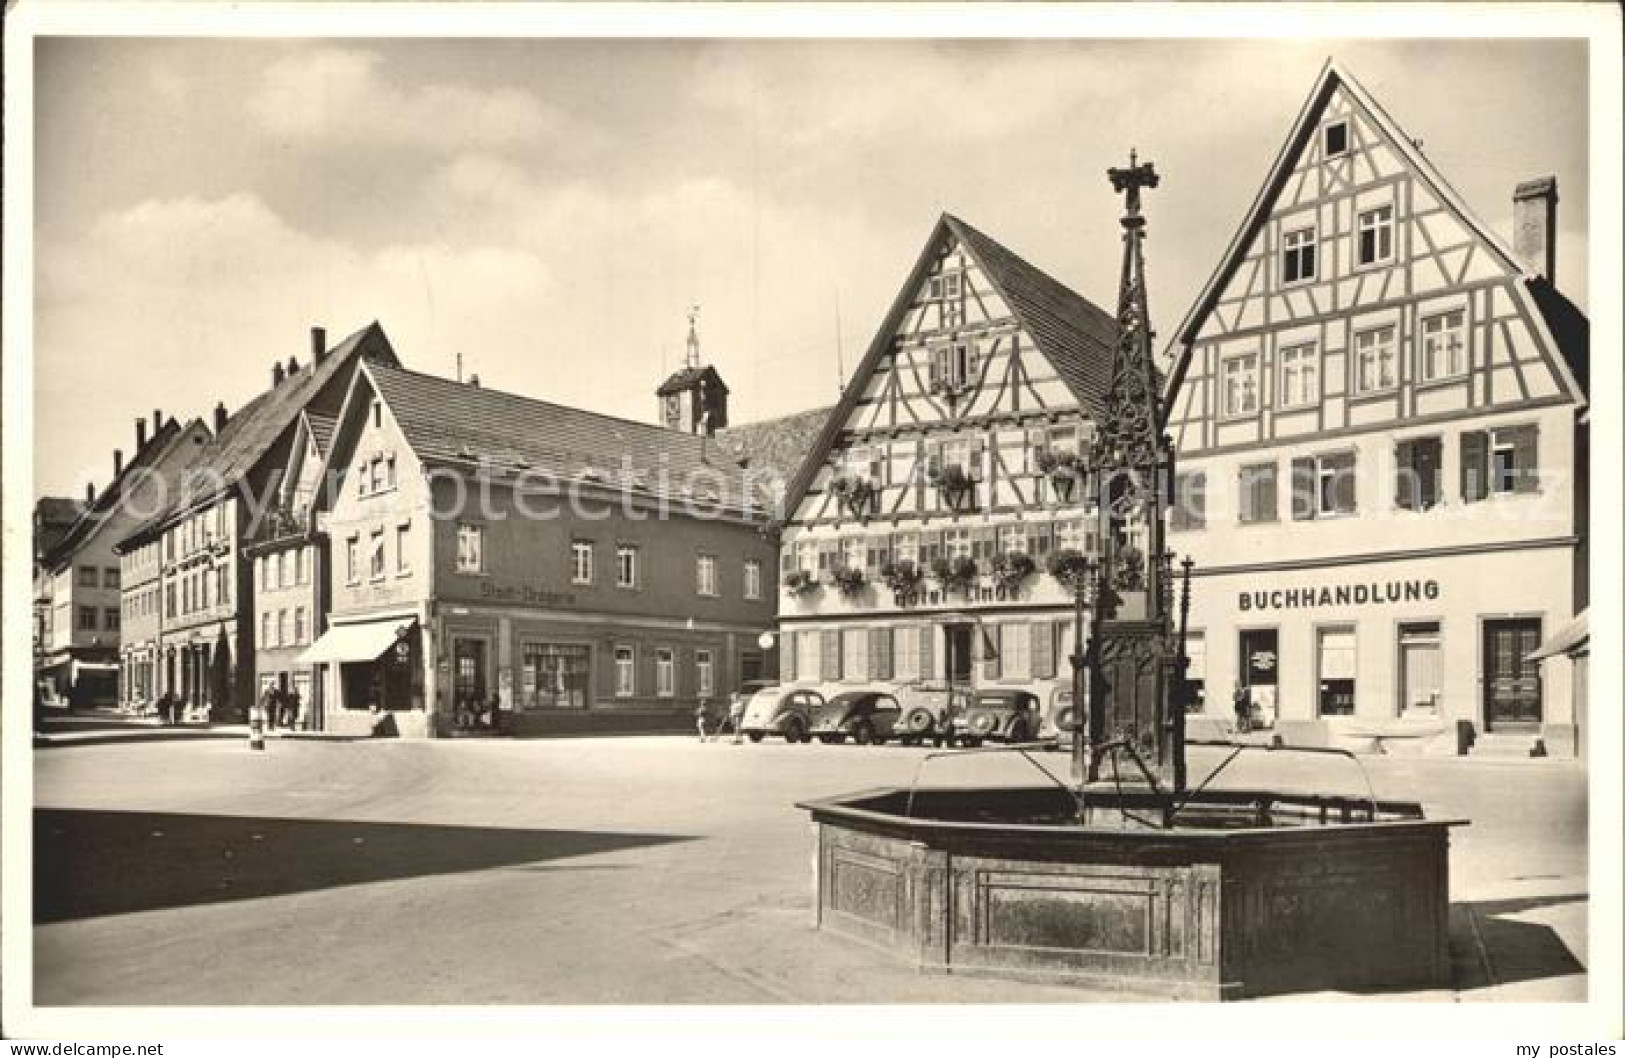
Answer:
[(1131, 179)]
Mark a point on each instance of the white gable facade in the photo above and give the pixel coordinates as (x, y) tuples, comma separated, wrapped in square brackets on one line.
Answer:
[(1378, 439)]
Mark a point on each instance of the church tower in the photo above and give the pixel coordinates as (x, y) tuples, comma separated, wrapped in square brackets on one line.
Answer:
[(694, 399)]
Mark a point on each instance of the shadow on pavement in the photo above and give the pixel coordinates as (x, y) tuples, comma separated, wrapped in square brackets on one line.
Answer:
[(89, 863), (113, 737), (1504, 950)]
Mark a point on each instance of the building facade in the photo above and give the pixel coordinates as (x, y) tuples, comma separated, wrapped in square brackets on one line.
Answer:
[(1377, 404), (80, 580), (919, 527), (290, 575), (206, 637), (583, 573)]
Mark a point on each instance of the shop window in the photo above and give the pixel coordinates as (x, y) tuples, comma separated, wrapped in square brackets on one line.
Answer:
[(625, 672), (1298, 256), (1260, 674), (554, 676), (1258, 494), (704, 673), (1418, 470), (1442, 346), (1499, 461), (1336, 658), (1239, 384), (665, 673), (753, 578), (1421, 667), (1376, 235), (581, 555), (1300, 376), (1190, 501), (1375, 360), (1196, 672), (470, 548)]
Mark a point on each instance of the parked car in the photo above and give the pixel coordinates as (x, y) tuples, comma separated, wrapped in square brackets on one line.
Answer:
[(734, 721), (999, 715), (781, 710), (927, 713), (870, 717)]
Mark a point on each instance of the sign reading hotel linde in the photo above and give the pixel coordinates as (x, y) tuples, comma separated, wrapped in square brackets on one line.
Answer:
[(525, 593), (1374, 593)]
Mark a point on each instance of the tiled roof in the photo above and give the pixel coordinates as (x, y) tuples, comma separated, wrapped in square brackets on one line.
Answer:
[(457, 424), (93, 515), (686, 377), (1074, 334), (776, 447), (249, 433)]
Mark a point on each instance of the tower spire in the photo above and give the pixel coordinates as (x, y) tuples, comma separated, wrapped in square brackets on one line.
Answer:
[(692, 358)]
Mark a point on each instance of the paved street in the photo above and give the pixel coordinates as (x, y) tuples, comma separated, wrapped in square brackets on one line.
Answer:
[(184, 869)]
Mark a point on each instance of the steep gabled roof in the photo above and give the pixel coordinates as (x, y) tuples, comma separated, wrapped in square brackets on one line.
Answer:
[(93, 515), (1073, 334), (257, 425), (1557, 322), (685, 378), (449, 423)]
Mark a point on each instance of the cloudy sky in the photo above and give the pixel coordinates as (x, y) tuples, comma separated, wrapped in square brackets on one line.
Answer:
[(550, 208)]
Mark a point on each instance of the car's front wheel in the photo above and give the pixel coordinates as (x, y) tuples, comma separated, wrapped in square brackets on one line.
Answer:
[(796, 731), (971, 741), (755, 736)]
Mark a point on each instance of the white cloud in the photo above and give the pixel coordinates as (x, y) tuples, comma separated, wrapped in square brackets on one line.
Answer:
[(341, 96)]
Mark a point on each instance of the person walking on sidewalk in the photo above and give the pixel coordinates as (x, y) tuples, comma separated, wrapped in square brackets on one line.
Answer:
[(1242, 700), (699, 719)]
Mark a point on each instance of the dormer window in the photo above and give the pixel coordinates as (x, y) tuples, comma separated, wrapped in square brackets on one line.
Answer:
[(1336, 139), (378, 413)]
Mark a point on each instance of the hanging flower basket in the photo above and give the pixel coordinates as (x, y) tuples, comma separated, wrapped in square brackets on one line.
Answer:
[(1072, 570), (954, 575), (954, 483), (1010, 569), (848, 581), (800, 582), (903, 578), (853, 493), (1063, 469)]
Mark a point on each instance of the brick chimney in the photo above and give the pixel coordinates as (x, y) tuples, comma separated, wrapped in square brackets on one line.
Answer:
[(90, 493), (474, 380), (157, 423), (118, 461), (293, 366), (318, 345), (219, 416), (1534, 226), (140, 434), (276, 373)]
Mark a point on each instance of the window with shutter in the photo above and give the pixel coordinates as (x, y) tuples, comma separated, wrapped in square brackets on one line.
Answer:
[(1522, 441), (1475, 465), (1257, 493), (1190, 501), (1043, 648), (1015, 650), (854, 653), (787, 658), (809, 656), (906, 653), (990, 651), (1303, 488), (1336, 477), (829, 667), (1417, 466), (880, 662), (927, 637)]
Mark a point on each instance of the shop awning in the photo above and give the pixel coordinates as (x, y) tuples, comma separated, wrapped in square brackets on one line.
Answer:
[(357, 642), (1572, 635), (95, 666)]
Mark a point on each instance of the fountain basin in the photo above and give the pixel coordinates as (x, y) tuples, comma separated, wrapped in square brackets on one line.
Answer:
[(1250, 893)]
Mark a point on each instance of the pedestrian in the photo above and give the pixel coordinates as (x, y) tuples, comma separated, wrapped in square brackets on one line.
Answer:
[(1242, 700), (699, 719), (290, 709), (495, 713), (270, 701), (736, 716)]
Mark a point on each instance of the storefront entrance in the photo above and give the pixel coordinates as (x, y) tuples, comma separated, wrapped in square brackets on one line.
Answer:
[(470, 692), (1512, 695), (1261, 673), (957, 639)]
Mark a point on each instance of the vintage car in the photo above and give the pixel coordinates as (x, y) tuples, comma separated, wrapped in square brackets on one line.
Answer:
[(998, 715), (780, 710), (928, 713), (870, 717)]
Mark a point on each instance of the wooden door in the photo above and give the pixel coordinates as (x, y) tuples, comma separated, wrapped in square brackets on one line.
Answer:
[(1512, 694)]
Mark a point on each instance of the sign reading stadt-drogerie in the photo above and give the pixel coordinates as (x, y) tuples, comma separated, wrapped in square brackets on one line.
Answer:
[(1374, 593)]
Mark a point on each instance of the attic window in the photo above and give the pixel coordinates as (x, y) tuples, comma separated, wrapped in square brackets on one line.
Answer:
[(377, 413), (1337, 139)]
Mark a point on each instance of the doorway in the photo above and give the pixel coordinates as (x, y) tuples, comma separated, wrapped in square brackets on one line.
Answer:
[(469, 691), (1261, 673), (957, 642), (1512, 692)]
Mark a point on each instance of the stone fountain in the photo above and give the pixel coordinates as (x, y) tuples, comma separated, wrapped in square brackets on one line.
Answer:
[(1126, 877)]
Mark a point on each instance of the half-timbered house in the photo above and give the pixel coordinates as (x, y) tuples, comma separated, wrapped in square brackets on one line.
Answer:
[(1378, 407), (917, 530)]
